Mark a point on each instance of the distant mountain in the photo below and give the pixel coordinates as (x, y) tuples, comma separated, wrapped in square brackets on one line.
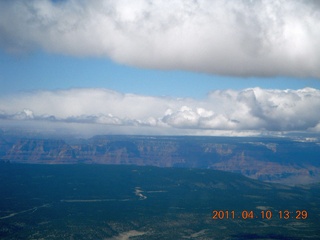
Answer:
[(268, 159)]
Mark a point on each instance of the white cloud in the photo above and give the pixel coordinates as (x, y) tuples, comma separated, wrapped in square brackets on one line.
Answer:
[(230, 37), (229, 110), (24, 115)]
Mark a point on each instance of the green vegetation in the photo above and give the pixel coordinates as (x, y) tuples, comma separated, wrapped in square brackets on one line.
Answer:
[(118, 202)]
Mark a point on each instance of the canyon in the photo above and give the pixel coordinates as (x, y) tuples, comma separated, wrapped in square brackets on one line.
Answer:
[(281, 160)]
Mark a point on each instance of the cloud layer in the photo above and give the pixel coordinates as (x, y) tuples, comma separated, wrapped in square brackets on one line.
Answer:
[(253, 109), (228, 37)]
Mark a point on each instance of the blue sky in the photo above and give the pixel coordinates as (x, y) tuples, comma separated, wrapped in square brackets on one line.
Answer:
[(156, 67), (41, 70)]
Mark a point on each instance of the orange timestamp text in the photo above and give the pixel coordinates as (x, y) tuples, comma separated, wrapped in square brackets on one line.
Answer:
[(264, 214)]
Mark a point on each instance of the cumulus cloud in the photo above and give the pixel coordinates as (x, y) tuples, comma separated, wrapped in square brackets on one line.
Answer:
[(228, 37), (253, 109)]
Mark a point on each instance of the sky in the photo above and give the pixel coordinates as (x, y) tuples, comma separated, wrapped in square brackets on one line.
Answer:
[(192, 67)]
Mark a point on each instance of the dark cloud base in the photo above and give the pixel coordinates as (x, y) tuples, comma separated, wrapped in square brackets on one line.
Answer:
[(226, 37)]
